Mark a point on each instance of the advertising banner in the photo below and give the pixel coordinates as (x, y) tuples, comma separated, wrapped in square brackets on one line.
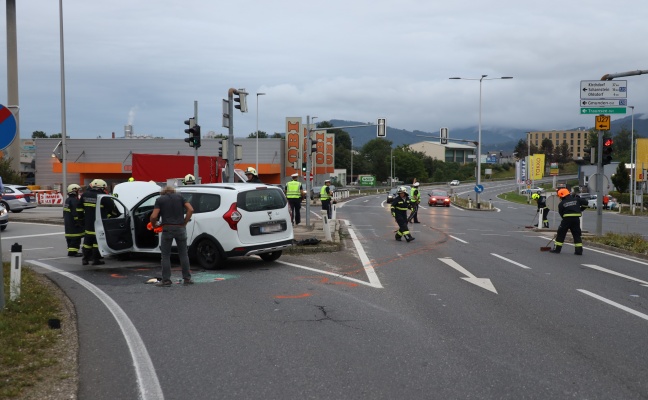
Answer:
[(537, 166), (293, 145)]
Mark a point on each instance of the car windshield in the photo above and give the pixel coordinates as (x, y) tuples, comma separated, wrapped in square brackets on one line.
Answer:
[(439, 193), (261, 199)]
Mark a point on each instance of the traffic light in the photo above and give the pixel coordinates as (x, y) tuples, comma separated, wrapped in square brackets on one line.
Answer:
[(381, 130), (607, 151), (303, 167), (589, 155), (241, 100), (222, 149), (196, 136), (191, 122)]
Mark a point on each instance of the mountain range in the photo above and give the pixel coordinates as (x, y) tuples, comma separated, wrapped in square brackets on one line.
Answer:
[(493, 139)]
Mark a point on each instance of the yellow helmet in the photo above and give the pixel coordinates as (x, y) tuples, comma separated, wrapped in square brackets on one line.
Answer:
[(131, 179), (251, 170), (535, 196), (98, 184), (73, 188), (189, 179)]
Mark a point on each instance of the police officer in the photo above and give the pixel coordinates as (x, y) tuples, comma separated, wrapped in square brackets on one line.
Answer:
[(73, 221), (570, 208), (294, 192), (542, 205), (251, 175), (89, 203), (189, 180), (415, 200), (325, 197), (399, 207)]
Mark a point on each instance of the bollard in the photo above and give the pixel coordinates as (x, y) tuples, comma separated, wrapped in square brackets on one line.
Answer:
[(469, 204), (16, 263), (540, 226), (326, 227), (333, 210)]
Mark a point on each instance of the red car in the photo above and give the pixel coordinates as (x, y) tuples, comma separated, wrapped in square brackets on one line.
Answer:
[(439, 198)]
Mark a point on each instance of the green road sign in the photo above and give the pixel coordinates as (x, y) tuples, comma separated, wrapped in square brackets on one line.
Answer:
[(604, 110)]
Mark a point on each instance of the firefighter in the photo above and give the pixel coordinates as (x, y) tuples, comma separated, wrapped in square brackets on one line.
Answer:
[(251, 175), (294, 193), (542, 205), (570, 208), (89, 203), (415, 200), (399, 207), (189, 180), (73, 221)]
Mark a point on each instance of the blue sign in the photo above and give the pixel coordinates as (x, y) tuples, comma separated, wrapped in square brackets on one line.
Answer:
[(479, 188), (7, 127)]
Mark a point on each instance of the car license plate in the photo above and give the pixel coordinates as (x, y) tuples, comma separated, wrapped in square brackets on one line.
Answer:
[(270, 228)]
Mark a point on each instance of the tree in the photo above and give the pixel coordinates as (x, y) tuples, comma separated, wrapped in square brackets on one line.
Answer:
[(547, 148), (376, 152), (562, 154), (622, 145), (8, 174), (57, 136), (522, 148), (39, 135), (262, 135), (621, 179)]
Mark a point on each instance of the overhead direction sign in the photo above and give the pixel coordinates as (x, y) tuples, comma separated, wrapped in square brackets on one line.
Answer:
[(604, 103), (606, 110), (602, 122), (598, 90)]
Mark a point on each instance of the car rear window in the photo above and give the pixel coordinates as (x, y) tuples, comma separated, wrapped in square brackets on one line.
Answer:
[(261, 199)]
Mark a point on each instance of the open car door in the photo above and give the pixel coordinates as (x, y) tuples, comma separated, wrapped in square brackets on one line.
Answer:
[(113, 226)]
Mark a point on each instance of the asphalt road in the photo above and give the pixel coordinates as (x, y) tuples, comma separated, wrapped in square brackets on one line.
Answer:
[(471, 309)]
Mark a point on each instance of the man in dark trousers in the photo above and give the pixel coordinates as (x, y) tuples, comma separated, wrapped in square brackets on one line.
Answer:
[(73, 221), (294, 192), (88, 201), (542, 205), (415, 200), (170, 208), (570, 209), (325, 197), (399, 207)]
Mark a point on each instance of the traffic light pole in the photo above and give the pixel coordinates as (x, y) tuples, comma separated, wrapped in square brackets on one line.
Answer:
[(230, 141), (599, 185), (309, 184), (195, 171)]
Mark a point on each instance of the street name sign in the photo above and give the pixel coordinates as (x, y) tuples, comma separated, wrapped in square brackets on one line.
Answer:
[(604, 103), (606, 110), (598, 90)]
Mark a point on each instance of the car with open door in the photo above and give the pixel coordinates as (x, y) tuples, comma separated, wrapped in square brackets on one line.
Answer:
[(229, 220)]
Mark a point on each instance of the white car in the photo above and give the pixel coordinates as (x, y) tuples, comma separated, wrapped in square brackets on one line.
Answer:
[(455, 183), (532, 190), (230, 219)]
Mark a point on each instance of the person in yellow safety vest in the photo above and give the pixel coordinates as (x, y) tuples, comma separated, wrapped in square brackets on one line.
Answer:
[(399, 207), (570, 209), (415, 200), (325, 197), (294, 192), (542, 205)]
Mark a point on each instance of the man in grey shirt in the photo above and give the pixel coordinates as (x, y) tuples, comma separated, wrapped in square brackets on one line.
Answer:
[(170, 207)]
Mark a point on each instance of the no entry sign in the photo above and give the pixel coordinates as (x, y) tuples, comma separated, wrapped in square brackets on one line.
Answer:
[(7, 127)]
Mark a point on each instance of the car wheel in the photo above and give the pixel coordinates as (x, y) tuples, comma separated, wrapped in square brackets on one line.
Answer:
[(272, 256), (6, 206), (208, 255), (16, 211)]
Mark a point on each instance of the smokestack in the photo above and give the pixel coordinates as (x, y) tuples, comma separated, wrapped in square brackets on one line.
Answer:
[(113, 135)]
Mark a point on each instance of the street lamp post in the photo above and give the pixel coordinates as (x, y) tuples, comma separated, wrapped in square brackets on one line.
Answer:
[(633, 167), (257, 130), (351, 160), (479, 140)]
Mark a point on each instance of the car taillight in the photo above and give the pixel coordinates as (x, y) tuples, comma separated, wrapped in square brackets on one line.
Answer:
[(232, 217)]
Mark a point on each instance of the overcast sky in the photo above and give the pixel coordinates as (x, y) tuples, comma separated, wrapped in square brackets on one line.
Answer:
[(144, 62)]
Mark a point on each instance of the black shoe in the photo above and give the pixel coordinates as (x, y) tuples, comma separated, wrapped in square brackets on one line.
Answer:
[(409, 238), (554, 251), (416, 222), (84, 262), (98, 262), (398, 237), (187, 281), (166, 283), (75, 255)]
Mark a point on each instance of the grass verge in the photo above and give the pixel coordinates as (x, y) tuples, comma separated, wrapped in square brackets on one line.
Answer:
[(26, 339), (627, 241)]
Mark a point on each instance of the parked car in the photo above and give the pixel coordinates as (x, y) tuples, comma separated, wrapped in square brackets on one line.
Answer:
[(229, 220), (531, 190), (455, 183), (439, 198), (612, 203), (393, 193), (4, 218), (17, 198)]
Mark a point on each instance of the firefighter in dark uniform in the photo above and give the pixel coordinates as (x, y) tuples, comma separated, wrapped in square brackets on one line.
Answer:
[(294, 192), (73, 221), (252, 176), (189, 180), (89, 202), (542, 205), (415, 200), (570, 209), (399, 207)]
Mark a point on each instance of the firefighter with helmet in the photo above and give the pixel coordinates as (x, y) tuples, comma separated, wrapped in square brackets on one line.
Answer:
[(570, 209), (399, 207), (251, 175), (89, 203), (73, 221), (415, 200), (189, 180), (542, 205)]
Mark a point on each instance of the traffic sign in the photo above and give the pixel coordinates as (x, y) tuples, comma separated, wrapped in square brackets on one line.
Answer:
[(598, 90), (479, 188), (604, 103), (602, 122), (7, 127), (443, 134), (607, 110), (311, 177)]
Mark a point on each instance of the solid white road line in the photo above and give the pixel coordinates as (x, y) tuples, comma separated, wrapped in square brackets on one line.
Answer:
[(604, 252), (609, 271), (511, 261), (612, 303), (147, 380), (366, 264), (29, 236), (319, 271), (456, 238)]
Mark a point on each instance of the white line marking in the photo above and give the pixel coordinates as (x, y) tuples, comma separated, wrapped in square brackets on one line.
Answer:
[(604, 252), (29, 236), (511, 261), (319, 271), (456, 238), (483, 283), (609, 271), (148, 383), (39, 248), (617, 305), (366, 264)]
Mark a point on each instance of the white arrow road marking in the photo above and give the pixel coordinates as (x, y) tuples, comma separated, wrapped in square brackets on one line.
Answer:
[(609, 271), (617, 305), (484, 283), (511, 261), (456, 238)]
